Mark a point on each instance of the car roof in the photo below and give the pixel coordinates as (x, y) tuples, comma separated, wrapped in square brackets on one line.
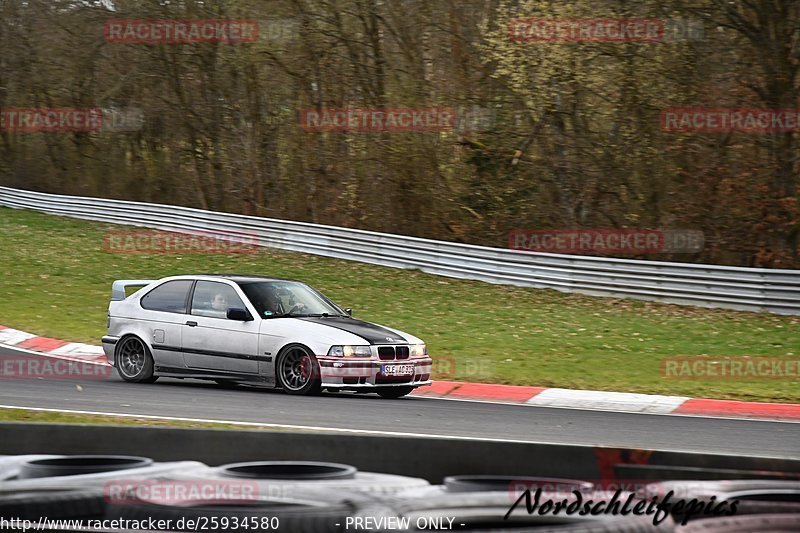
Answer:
[(239, 277)]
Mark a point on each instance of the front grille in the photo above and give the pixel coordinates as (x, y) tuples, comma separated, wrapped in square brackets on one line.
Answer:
[(402, 352), (386, 353)]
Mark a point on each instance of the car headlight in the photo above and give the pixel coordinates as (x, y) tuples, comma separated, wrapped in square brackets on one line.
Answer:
[(419, 350), (350, 351)]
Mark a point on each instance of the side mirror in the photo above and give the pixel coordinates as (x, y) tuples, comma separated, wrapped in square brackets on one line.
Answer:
[(348, 310), (237, 313)]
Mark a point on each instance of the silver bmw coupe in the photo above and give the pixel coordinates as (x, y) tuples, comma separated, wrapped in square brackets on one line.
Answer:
[(256, 330)]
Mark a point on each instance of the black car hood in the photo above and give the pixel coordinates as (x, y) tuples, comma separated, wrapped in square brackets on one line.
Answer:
[(372, 333)]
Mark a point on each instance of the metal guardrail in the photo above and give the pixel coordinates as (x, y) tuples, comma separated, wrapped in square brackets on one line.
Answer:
[(750, 289)]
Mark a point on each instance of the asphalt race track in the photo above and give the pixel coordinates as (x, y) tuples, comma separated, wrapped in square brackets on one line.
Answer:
[(411, 415)]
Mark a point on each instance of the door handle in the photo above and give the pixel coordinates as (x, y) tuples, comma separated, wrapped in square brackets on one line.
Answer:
[(191, 323)]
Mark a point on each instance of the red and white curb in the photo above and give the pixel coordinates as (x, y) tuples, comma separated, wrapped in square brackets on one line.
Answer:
[(52, 347), (458, 390), (612, 401)]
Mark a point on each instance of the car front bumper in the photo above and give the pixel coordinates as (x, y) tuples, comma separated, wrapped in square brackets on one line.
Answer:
[(353, 373)]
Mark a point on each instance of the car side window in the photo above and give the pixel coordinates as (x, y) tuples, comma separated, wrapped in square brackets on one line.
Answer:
[(169, 297), (213, 299)]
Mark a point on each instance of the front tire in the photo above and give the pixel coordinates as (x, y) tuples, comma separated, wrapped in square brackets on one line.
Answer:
[(134, 361), (298, 371), (392, 393)]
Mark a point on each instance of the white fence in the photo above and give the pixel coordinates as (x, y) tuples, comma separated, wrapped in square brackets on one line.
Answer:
[(752, 289)]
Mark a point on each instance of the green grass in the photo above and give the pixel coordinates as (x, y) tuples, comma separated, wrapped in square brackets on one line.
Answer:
[(55, 280), (50, 417)]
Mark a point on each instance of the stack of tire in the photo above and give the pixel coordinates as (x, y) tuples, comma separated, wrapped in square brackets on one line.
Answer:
[(328, 497), (483, 503), (293, 496), (10, 464), (282, 478), (761, 505), (296, 496), (69, 487)]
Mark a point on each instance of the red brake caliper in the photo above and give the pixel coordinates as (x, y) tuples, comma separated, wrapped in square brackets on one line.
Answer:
[(305, 365)]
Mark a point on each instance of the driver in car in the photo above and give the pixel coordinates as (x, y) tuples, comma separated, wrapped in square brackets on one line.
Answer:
[(273, 305)]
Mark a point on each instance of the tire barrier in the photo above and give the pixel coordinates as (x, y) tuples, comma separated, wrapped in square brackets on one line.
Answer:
[(69, 487), (430, 458), (486, 511), (308, 496), (262, 515), (11, 464), (56, 475), (286, 478), (79, 465), (752, 496)]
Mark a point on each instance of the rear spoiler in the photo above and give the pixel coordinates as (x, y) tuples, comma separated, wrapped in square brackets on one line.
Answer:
[(118, 287)]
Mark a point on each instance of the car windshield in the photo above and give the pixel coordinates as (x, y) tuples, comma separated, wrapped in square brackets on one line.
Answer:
[(274, 299)]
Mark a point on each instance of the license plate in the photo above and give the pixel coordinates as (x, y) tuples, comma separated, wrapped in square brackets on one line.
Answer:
[(397, 370)]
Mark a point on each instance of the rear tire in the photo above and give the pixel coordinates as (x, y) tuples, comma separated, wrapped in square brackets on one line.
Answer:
[(134, 361), (392, 393)]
